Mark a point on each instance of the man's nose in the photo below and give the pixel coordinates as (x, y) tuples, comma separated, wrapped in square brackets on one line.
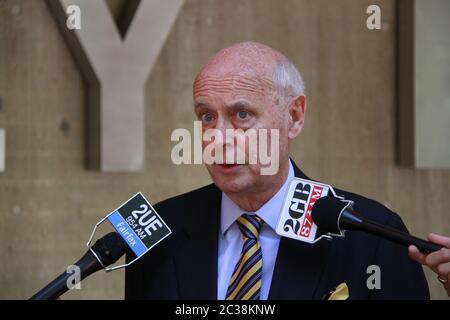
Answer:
[(223, 125)]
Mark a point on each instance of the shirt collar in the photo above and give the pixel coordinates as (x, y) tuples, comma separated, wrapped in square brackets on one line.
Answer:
[(269, 212)]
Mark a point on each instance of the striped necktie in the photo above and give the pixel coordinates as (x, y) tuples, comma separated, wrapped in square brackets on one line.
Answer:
[(245, 283)]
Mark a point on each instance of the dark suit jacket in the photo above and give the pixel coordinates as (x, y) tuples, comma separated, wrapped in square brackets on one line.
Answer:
[(184, 266)]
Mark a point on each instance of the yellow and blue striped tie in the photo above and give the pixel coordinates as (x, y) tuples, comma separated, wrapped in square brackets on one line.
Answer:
[(245, 284)]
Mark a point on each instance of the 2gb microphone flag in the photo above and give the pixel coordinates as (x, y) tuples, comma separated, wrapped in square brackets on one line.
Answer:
[(139, 224), (295, 218)]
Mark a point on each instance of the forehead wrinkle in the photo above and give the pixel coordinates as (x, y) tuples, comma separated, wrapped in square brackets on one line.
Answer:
[(232, 84)]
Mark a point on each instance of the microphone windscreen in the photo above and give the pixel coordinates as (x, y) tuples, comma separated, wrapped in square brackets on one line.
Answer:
[(110, 248), (325, 214)]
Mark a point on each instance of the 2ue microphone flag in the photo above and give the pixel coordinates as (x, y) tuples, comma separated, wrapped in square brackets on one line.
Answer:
[(139, 224)]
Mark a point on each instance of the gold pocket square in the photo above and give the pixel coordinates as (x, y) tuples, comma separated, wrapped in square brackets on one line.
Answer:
[(340, 293)]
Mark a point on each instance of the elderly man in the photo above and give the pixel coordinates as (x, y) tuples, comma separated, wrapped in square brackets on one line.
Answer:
[(224, 245)]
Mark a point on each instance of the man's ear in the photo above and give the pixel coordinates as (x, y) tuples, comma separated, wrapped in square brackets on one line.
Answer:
[(297, 110)]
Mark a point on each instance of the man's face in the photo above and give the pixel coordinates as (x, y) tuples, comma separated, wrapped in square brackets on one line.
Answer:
[(240, 101)]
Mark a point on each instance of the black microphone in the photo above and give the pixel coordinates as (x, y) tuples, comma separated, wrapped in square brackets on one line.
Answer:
[(330, 214), (108, 250)]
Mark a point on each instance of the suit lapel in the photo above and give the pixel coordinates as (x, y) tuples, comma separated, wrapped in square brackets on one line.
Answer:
[(196, 261), (298, 269), (299, 266)]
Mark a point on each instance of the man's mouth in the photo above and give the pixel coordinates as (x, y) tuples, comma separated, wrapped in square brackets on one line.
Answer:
[(228, 167)]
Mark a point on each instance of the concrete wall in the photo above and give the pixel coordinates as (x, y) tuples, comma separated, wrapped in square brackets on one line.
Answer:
[(49, 201), (424, 83)]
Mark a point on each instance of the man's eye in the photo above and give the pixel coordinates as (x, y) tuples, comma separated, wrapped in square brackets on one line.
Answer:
[(243, 115), (207, 117)]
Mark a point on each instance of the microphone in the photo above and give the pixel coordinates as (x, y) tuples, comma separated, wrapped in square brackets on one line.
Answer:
[(332, 215), (106, 251)]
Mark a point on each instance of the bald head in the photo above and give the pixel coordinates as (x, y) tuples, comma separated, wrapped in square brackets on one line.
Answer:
[(267, 69), (242, 58)]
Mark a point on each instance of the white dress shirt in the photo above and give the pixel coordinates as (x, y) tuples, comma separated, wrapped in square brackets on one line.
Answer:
[(231, 241)]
